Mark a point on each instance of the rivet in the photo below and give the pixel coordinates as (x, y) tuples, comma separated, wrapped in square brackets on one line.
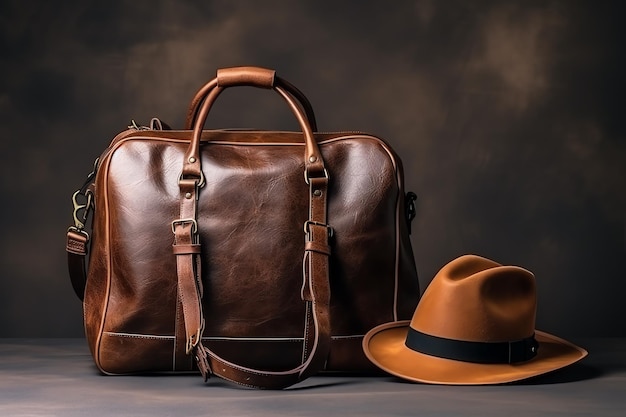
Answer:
[(192, 159), (187, 195), (313, 159), (317, 193)]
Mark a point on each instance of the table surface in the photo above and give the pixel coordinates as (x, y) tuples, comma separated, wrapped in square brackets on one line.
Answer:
[(56, 377)]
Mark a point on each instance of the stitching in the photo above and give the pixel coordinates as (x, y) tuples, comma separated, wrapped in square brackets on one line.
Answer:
[(307, 318), (226, 339), (252, 339), (176, 330), (252, 371), (138, 336)]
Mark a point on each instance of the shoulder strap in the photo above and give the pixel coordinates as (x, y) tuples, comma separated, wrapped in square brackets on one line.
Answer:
[(77, 242), (315, 293), (76, 247)]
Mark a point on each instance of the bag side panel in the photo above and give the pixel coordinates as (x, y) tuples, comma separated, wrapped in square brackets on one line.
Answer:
[(132, 266), (373, 277)]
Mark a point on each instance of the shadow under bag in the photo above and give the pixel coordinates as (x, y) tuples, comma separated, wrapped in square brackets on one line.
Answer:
[(262, 257)]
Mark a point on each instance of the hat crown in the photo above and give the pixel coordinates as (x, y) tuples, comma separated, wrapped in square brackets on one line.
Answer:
[(476, 299)]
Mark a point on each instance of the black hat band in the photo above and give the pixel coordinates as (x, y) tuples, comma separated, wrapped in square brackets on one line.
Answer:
[(477, 352)]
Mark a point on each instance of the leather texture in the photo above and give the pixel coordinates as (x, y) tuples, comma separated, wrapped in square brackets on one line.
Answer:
[(266, 255)]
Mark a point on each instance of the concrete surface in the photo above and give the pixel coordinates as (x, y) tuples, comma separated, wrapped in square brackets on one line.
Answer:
[(56, 377)]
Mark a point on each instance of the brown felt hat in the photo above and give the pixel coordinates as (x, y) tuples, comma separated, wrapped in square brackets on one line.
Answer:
[(475, 324)]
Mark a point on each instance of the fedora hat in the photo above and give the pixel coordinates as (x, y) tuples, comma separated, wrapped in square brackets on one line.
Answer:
[(474, 325)]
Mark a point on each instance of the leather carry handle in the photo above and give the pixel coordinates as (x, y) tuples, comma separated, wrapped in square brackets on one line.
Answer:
[(314, 164), (315, 291), (253, 76), (250, 76)]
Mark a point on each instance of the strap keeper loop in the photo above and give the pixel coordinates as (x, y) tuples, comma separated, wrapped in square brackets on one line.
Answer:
[(193, 248)]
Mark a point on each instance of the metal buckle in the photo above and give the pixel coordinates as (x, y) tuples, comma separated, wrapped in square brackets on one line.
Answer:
[(331, 231), (77, 230), (194, 224), (195, 339)]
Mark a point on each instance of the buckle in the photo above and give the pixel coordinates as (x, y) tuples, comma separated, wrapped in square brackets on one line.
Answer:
[(331, 231), (194, 224), (75, 229)]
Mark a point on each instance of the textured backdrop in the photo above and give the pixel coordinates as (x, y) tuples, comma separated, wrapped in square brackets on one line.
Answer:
[(508, 117)]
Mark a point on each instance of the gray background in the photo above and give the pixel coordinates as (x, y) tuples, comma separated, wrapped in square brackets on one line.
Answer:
[(508, 117)]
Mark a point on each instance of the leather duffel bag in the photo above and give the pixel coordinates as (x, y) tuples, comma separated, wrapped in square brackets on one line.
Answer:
[(262, 257)]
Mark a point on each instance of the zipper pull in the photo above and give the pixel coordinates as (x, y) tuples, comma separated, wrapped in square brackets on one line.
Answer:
[(155, 124), (133, 125)]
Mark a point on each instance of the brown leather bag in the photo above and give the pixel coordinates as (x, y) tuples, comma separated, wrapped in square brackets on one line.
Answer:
[(262, 257)]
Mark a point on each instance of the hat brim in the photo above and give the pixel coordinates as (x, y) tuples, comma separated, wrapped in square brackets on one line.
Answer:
[(384, 346)]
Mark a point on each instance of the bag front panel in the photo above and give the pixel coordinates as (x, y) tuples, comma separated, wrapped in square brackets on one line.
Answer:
[(251, 214)]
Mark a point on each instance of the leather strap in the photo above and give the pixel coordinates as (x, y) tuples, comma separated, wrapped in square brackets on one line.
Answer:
[(77, 243), (76, 247), (186, 247), (315, 292), (316, 286)]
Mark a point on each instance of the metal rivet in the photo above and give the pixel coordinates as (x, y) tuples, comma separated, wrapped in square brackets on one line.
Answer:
[(192, 159), (317, 193), (313, 159), (188, 195)]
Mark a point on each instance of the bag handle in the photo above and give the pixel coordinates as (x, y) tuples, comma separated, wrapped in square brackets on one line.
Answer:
[(314, 164), (251, 76), (315, 291)]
